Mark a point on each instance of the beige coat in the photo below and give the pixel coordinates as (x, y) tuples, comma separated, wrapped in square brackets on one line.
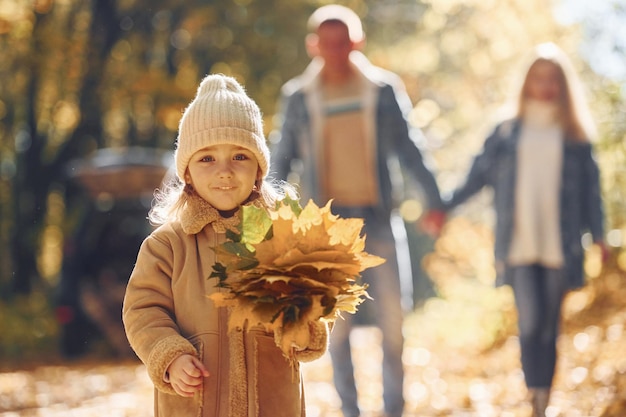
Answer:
[(167, 313)]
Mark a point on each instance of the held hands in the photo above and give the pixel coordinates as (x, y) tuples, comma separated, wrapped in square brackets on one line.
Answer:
[(185, 375), (432, 222), (604, 250)]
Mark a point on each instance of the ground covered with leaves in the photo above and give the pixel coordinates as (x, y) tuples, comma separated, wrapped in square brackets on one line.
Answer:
[(455, 367), (461, 354)]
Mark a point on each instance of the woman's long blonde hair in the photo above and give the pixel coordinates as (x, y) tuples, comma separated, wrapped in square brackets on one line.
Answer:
[(575, 113)]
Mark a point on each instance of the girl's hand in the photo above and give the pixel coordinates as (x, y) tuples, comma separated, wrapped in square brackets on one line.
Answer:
[(185, 375)]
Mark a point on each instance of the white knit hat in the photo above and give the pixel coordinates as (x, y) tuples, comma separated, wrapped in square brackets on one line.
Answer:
[(221, 113)]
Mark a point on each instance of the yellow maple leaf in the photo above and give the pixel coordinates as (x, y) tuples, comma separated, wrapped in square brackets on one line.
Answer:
[(283, 239), (297, 282), (296, 256), (367, 260), (311, 216), (347, 232)]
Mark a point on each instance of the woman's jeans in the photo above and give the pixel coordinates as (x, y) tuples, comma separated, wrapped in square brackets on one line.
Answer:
[(538, 294), (384, 288)]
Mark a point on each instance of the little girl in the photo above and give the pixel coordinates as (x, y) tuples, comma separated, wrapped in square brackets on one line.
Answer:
[(197, 366), (546, 188)]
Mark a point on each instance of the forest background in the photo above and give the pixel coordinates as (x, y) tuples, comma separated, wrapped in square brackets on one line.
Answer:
[(77, 76)]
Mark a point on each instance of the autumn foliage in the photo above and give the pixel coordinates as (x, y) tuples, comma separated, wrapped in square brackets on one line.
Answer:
[(291, 266)]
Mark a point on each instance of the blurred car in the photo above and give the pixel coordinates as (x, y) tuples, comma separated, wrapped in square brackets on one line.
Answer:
[(112, 191)]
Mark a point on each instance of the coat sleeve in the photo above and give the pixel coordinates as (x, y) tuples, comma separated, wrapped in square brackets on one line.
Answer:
[(480, 174), (284, 145), (318, 343), (397, 104), (148, 312), (592, 198)]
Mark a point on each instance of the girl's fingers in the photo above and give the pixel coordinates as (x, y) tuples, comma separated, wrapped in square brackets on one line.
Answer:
[(190, 380), (184, 390), (186, 375), (199, 366)]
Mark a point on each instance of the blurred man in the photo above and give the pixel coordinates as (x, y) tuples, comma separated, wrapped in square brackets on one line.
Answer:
[(345, 121)]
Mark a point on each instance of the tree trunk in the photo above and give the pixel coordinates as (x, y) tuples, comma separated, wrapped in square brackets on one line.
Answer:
[(35, 176)]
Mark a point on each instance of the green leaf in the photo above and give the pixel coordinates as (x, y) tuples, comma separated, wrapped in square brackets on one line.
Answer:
[(255, 223), (247, 263), (294, 204), (219, 272), (233, 236), (238, 248)]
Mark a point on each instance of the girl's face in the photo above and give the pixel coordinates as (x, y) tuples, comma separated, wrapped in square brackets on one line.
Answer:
[(223, 175), (544, 82)]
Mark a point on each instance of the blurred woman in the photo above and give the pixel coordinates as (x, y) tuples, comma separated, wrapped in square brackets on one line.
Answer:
[(546, 195)]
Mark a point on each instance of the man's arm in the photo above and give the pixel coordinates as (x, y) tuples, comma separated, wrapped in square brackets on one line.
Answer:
[(283, 141), (407, 142)]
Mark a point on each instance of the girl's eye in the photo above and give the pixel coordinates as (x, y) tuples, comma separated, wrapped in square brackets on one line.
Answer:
[(240, 157), (207, 158)]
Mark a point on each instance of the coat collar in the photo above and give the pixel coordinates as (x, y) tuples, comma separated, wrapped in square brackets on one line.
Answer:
[(198, 213)]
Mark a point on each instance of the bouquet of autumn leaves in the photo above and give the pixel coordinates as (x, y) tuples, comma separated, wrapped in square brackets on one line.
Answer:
[(290, 266)]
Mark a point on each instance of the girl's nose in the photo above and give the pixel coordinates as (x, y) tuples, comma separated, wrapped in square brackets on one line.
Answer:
[(225, 170)]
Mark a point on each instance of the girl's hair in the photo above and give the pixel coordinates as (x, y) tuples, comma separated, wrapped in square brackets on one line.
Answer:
[(172, 197), (575, 113)]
